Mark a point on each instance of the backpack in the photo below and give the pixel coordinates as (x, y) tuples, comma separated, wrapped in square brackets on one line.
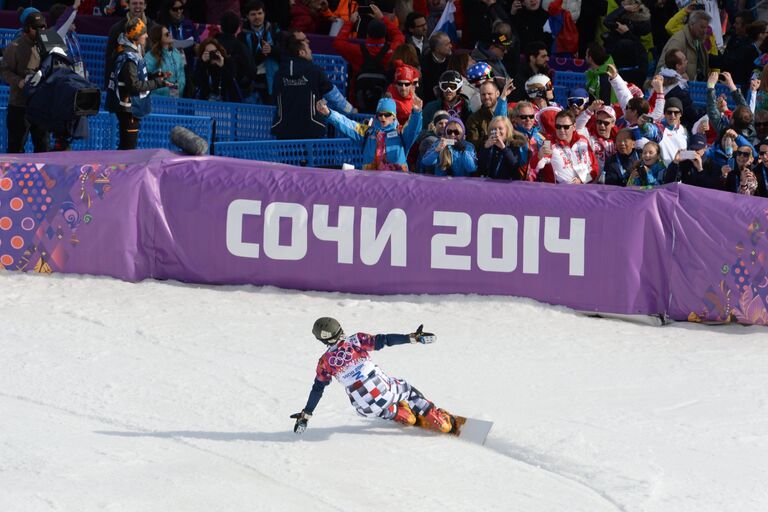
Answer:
[(58, 99), (371, 80)]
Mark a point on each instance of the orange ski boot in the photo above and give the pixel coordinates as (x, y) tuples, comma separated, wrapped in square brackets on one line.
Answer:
[(404, 414), (437, 419)]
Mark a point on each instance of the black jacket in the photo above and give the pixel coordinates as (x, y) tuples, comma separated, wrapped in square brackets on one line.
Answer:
[(686, 172), (500, 164), (298, 85), (619, 167), (216, 83)]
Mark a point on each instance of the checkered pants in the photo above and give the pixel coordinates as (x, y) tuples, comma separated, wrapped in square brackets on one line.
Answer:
[(374, 396)]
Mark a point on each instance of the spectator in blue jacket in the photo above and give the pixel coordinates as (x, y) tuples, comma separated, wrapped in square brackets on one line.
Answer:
[(164, 57), (452, 155), (184, 33), (385, 147)]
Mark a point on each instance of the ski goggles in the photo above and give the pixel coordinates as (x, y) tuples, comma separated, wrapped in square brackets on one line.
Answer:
[(577, 102), (536, 92), (449, 86)]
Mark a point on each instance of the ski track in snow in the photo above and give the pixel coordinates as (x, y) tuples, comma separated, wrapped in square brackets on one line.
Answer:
[(137, 431), (608, 414)]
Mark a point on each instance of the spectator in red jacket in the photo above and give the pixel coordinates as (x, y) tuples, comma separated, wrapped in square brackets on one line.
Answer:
[(378, 37), (310, 16)]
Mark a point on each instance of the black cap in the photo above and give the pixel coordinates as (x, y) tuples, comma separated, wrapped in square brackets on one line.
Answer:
[(35, 20), (698, 141)]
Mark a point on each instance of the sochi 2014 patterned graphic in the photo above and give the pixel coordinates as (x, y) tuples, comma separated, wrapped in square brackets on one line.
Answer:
[(39, 217)]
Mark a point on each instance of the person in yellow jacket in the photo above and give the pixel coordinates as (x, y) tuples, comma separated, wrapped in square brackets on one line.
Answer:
[(677, 22), (690, 40)]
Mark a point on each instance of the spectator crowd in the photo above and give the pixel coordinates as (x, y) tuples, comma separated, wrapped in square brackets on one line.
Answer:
[(454, 87)]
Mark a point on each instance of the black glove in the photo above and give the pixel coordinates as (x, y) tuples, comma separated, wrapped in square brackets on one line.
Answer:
[(460, 145), (301, 421), (422, 337)]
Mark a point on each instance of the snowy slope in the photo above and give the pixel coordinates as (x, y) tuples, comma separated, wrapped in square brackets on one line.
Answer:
[(165, 396)]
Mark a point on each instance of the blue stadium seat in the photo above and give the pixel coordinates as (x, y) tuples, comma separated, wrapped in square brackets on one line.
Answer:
[(569, 80), (308, 152), (336, 68)]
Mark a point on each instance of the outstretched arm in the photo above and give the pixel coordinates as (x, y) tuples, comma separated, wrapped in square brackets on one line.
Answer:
[(302, 418), (389, 340)]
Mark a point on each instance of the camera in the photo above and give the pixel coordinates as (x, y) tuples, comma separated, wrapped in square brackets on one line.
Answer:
[(214, 55), (365, 10), (494, 132)]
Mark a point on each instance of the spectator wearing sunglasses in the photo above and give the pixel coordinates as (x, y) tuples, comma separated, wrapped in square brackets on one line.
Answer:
[(524, 119), (449, 97), (501, 155), (760, 169), (403, 89), (385, 147), (452, 155), (742, 179), (674, 135), (568, 158), (426, 139), (172, 16), (598, 124)]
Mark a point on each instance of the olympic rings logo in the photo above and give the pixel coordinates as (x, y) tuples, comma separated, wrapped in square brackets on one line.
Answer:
[(340, 358)]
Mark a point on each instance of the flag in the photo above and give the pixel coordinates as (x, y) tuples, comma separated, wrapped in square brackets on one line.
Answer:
[(447, 22)]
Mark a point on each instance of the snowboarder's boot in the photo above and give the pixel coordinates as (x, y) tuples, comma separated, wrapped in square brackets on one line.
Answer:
[(437, 419), (404, 414)]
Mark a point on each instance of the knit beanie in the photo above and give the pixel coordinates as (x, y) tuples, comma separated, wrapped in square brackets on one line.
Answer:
[(387, 105)]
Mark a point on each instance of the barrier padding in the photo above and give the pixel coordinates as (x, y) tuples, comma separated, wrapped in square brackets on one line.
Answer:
[(103, 132), (305, 153)]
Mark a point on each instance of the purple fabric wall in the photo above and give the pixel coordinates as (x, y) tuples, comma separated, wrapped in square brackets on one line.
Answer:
[(689, 253)]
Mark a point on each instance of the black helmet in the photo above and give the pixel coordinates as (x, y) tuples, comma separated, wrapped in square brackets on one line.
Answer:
[(328, 330)]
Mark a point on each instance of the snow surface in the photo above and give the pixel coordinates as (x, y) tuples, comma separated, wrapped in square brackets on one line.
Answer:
[(161, 396)]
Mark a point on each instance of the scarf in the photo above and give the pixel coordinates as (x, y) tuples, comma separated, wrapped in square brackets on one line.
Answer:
[(404, 105)]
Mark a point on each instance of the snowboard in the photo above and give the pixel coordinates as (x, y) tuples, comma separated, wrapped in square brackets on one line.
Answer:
[(467, 429)]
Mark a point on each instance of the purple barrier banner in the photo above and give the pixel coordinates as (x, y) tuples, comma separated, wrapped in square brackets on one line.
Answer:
[(140, 214)]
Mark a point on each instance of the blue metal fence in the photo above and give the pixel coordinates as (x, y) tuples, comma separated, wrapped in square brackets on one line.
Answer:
[(309, 152), (154, 133)]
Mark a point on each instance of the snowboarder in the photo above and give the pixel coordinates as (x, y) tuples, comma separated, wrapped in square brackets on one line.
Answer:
[(371, 391)]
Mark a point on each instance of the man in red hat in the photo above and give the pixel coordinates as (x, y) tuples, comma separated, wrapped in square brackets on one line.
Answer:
[(403, 89)]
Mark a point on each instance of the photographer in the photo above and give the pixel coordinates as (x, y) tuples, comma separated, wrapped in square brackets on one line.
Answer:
[(130, 83), (743, 179), (21, 59), (452, 155), (214, 76), (501, 156), (692, 168)]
